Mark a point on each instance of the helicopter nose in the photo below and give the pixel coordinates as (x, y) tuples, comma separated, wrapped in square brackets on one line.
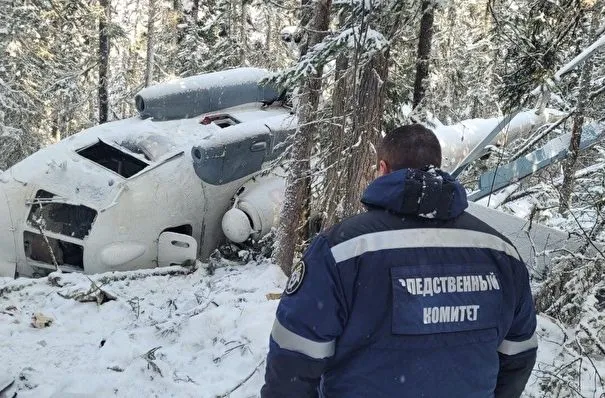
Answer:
[(8, 255)]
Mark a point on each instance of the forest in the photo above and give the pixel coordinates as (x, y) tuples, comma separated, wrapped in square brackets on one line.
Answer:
[(352, 70)]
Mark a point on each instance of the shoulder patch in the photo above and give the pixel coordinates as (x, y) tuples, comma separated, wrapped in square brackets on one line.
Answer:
[(296, 278)]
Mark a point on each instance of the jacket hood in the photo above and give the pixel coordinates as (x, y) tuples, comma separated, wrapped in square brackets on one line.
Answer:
[(428, 193)]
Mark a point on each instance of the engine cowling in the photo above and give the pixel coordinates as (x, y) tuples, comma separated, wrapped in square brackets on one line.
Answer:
[(195, 95), (256, 208)]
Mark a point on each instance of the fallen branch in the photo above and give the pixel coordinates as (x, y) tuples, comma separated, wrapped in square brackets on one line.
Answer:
[(549, 375), (241, 383), (595, 339), (143, 274), (170, 327), (115, 369), (244, 346), (583, 352), (12, 288), (149, 356), (188, 379), (38, 224), (94, 294)]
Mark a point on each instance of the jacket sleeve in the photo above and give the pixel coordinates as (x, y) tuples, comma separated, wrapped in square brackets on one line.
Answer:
[(310, 317), (517, 352)]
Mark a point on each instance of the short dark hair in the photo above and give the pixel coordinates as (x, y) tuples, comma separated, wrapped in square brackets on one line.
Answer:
[(411, 146)]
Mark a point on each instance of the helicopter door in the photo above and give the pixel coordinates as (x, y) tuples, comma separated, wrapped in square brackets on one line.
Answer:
[(8, 255), (175, 249)]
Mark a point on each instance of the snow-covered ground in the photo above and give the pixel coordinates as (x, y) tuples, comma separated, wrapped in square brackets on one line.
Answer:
[(212, 332), (559, 370)]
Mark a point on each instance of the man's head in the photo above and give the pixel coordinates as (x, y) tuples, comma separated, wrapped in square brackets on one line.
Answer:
[(412, 146)]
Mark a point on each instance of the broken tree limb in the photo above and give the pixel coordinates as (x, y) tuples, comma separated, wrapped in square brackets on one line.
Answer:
[(104, 279), (241, 383), (12, 288), (149, 356), (95, 294), (142, 274), (171, 326), (38, 224), (539, 135), (594, 338)]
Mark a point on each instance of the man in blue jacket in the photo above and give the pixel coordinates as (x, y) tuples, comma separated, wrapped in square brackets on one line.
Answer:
[(413, 298)]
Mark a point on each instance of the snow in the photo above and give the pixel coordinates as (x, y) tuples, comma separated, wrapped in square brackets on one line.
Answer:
[(230, 77), (212, 330), (558, 364)]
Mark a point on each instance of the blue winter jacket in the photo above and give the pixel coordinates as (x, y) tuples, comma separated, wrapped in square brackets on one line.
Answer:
[(413, 298)]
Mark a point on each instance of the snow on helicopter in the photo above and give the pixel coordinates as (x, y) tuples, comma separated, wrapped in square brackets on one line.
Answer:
[(187, 174)]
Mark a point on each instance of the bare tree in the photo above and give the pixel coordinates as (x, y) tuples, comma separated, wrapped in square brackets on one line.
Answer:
[(103, 90), (425, 40), (298, 177)]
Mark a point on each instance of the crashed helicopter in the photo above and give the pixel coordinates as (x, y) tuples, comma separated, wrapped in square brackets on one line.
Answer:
[(188, 173)]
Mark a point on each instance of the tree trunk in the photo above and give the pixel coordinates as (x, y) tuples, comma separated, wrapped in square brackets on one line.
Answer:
[(306, 10), (195, 11), (177, 6), (425, 40), (305, 208), (131, 62), (269, 33), (56, 130), (103, 90), (298, 176), (243, 40), (335, 144), (150, 43), (368, 118), (570, 165)]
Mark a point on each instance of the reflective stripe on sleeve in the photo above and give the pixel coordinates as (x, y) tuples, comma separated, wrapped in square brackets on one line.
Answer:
[(291, 341), (516, 347), (420, 237)]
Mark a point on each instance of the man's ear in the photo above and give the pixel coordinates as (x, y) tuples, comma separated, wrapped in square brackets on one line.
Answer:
[(383, 168)]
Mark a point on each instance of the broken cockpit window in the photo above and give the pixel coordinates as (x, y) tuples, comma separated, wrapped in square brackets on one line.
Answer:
[(52, 251), (61, 218), (113, 159)]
